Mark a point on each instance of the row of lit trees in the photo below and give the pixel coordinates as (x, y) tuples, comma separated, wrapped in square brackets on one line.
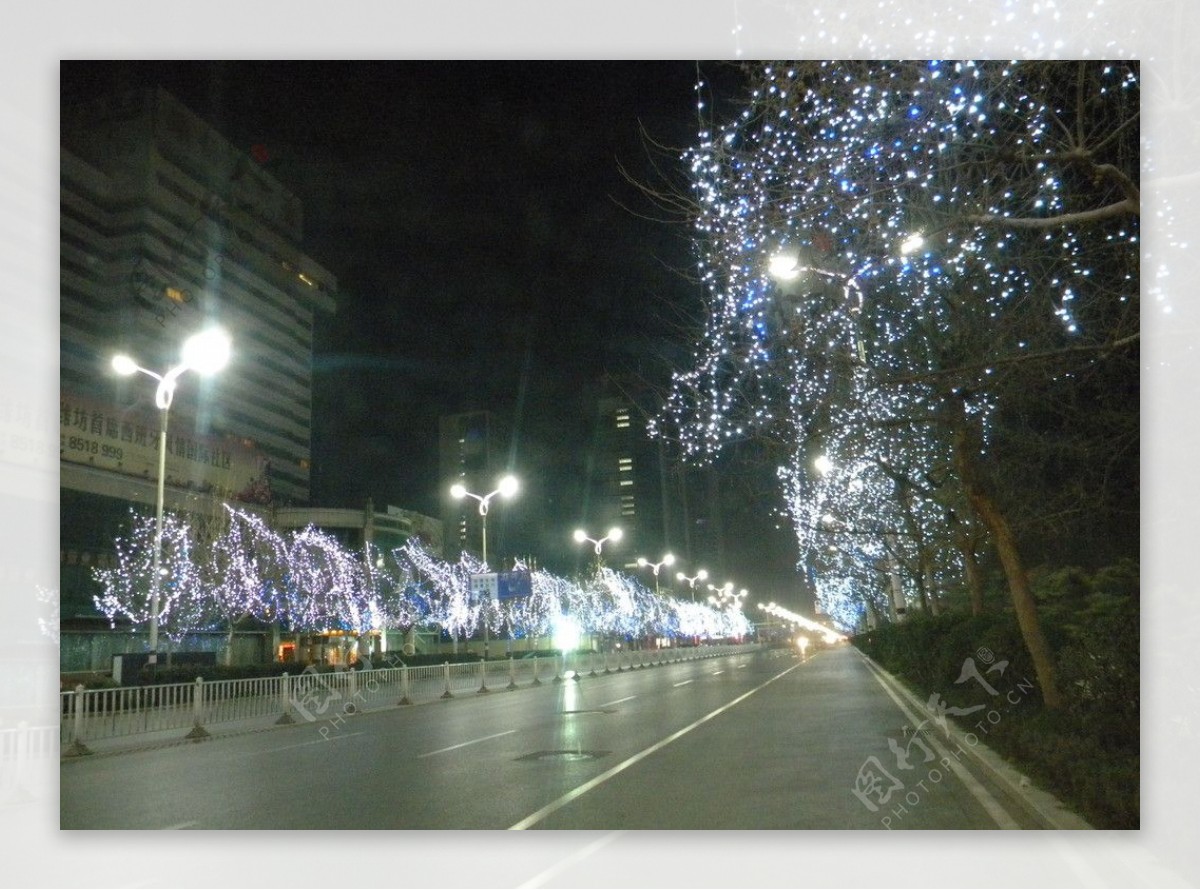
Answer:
[(904, 262), (216, 572)]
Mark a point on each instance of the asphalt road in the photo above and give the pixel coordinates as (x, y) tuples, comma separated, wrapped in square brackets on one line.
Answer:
[(752, 741)]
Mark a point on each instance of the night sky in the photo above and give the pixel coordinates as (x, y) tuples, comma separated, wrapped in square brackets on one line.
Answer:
[(489, 251)]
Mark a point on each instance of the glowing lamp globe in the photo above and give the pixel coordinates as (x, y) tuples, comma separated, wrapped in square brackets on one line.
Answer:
[(783, 267), (124, 365), (207, 352)]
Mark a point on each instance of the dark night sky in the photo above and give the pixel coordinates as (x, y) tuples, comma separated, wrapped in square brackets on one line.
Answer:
[(489, 252)]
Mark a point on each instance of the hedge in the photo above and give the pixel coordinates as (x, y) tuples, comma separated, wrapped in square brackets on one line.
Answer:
[(1088, 754)]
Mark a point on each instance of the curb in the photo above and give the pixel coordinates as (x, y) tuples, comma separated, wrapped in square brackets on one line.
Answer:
[(1042, 804)]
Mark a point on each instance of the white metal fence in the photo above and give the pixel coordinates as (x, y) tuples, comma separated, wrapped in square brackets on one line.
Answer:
[(21, 747), (89, 715)]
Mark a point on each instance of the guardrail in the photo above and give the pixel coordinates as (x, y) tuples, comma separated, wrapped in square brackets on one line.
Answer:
[(20, 746), (90, 715)]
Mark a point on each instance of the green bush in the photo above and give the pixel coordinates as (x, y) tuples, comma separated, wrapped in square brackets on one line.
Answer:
[(1088, 753)]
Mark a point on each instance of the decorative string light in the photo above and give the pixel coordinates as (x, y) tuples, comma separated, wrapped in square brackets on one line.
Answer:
[(861, 228)]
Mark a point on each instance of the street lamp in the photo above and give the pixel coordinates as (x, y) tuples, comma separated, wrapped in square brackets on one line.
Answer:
[(667, 560), (614, 535), (699, 576), (205, 353), (507, 487)]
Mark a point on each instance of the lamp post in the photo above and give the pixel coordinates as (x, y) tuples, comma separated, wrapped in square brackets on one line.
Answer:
[(205, 353), (667, 560), (506, 488), (699, 576), (614, 535)]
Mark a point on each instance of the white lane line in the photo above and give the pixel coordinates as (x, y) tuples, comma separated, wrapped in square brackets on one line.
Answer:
[(683, 683), (180, 825), (618, 701), (714, 673), (992, 806), (566, 862), (464, 744), (554, 806), (321, 741)]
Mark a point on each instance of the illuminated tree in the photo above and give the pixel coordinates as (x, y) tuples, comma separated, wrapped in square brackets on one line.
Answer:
[(243, 571), (898, 257), (127, 588), (450, 606)]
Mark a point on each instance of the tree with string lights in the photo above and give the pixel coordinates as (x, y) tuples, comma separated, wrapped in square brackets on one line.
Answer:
[(127, 589), (900, 259), (242, 571)]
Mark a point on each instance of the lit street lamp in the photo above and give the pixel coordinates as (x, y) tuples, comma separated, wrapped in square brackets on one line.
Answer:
[(205, 353), (667, 560), (699, 576), (614, 535), (507, 488)]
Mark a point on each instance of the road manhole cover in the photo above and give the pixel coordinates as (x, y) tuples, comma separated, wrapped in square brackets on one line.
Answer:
[(565, 756)]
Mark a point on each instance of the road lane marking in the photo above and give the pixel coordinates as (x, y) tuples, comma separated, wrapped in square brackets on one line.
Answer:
[(464, 744), (554, 806), (320, 741), (999, 815), (683, 683), (566, 862), (180, 825), (618, 701), (714, 673)]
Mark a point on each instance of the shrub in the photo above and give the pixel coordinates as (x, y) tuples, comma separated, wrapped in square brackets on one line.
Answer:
[(1087, 754)]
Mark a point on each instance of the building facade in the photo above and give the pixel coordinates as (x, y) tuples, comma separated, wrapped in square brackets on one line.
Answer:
[(166, 229)]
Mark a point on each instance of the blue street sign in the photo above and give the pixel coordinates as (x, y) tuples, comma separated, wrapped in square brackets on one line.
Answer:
[(512, 585), (501, 585)]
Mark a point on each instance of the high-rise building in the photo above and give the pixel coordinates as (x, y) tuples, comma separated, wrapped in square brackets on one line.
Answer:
[(626, 481), (471, 453), (167, 228)]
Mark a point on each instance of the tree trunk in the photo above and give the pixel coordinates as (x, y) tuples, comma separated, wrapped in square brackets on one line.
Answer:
[(966, 546), (965, 451)]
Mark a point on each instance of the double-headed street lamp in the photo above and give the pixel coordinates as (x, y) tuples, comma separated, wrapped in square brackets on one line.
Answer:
[(507, 487), (699, 576), (667, 559), (614, 535), (205, 353), (724, 597)]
